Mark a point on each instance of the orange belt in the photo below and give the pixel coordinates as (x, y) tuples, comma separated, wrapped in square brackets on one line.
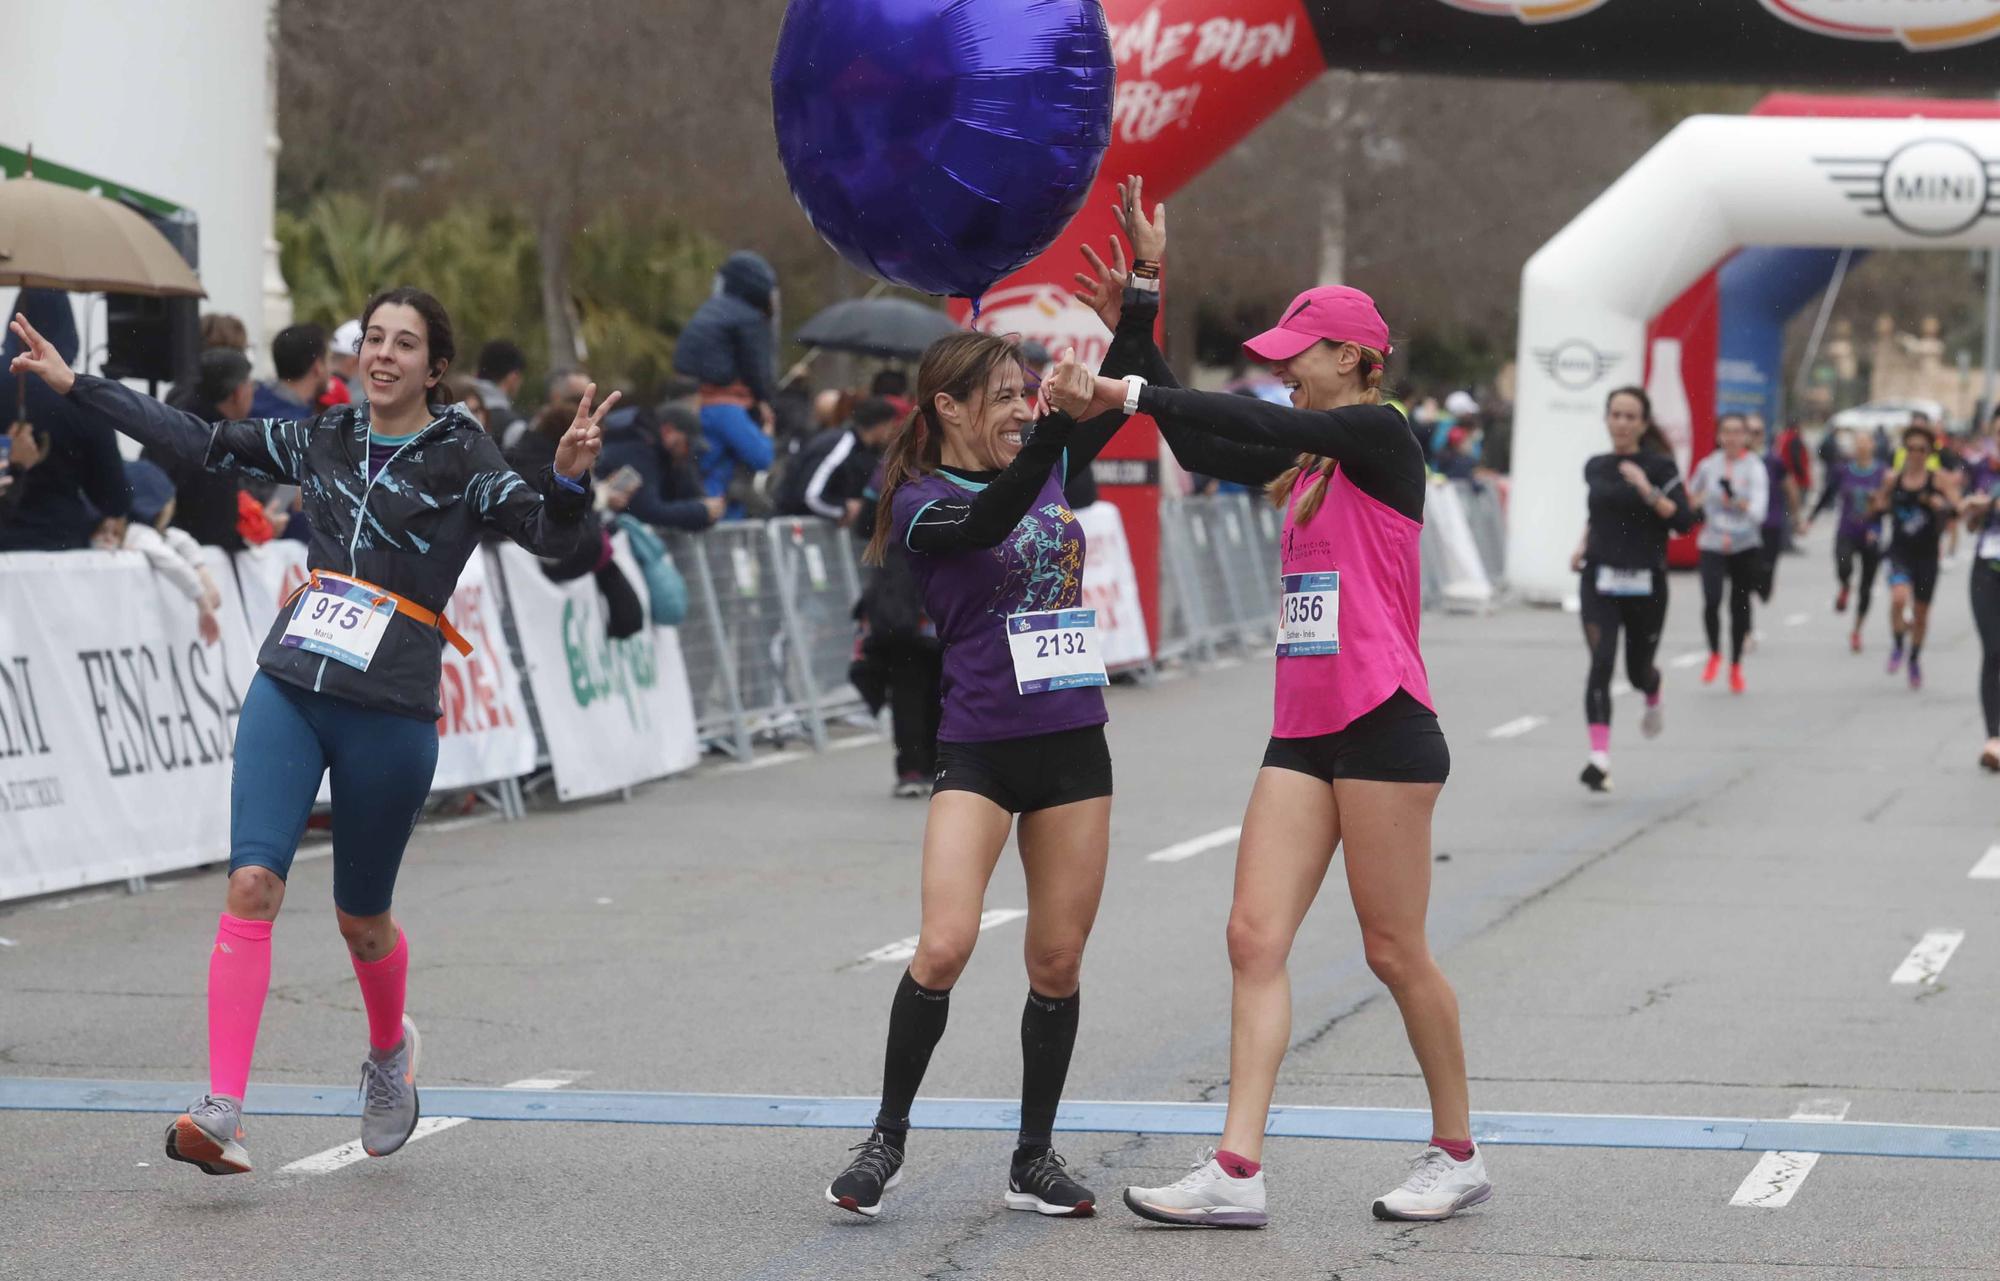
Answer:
[(404, 606)]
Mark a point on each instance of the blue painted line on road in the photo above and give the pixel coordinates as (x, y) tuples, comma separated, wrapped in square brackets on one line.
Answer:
[(1389, 1125)]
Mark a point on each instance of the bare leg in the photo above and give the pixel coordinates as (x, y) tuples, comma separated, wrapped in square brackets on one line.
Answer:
[(1387, 827), (1063, 851), (963, 837), (1289, 834)]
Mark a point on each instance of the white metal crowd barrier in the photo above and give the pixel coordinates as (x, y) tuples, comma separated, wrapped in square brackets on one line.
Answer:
[(1219, 558)]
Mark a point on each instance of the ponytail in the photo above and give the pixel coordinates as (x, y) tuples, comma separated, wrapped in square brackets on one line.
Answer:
[(916, 450), (1280, 490)]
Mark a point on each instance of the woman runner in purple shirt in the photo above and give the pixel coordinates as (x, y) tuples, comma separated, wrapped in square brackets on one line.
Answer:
[(973, 489)]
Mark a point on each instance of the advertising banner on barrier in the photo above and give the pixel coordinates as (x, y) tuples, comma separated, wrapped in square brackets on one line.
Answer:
[(615, 713), (484, 734), (117, 722), (1112, 588)]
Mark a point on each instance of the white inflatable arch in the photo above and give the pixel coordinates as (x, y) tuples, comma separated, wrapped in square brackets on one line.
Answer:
[(1712, 186)]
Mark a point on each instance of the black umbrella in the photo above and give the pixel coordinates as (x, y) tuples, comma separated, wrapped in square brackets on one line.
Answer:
[(890, 327)]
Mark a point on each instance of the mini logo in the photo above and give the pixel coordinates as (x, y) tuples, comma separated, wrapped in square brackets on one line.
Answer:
[(1576, 364), (1532, 12), (1933, 187), (1922, 25)]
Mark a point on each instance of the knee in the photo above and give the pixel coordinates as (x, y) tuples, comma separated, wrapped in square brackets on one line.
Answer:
[(941, 957), (1055, 971), (254, 894), (369, 937), (1257, 949), (1395, 957)]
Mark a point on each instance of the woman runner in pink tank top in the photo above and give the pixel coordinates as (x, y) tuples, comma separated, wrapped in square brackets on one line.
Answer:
[(1356, 758)]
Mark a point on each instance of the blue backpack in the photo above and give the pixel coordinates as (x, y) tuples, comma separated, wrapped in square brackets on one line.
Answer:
[(665, 587)]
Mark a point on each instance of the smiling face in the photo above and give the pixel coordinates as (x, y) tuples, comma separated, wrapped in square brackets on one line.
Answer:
[(1325, 375), (984, 433), (1625, 419), (395, 359)]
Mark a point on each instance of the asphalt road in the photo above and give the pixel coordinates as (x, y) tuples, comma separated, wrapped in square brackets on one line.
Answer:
[(1715, 939)]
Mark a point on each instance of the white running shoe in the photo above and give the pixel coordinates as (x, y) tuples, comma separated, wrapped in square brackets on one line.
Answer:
[(1652, 722), (1438, 1187), (1206, 1197)]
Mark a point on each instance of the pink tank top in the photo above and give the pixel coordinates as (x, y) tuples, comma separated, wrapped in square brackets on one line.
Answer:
[(1374, 550)]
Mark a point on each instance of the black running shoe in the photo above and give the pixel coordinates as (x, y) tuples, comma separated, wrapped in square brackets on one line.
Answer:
[(1043, 1185), (877, 1167), (1597, 780)]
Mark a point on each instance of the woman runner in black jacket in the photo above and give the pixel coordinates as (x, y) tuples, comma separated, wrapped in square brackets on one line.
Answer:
[(397, 491)]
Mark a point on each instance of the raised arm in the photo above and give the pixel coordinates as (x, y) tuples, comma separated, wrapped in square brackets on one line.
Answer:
[(985, 518)]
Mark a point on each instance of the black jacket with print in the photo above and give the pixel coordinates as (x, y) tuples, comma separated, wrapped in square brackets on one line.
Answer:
[(411, 529)]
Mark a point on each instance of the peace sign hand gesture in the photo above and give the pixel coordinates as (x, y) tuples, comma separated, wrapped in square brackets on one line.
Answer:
[(40, 359), (577, 452)]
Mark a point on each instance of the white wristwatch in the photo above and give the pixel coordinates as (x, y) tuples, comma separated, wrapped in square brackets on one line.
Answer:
[(1132, 385)]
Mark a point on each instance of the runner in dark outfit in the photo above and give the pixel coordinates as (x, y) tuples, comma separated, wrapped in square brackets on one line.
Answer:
[(1852, 485), (398, 490), (1636, 499), (1982, 519), (1918, 502), (999, 560), (1356, 759)]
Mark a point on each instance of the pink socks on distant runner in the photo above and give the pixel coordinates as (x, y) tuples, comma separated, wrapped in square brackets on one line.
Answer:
[(1653, 699), (1237, 1167), (383, 985), (1600, 738), (1459, 1150), (239, 976)]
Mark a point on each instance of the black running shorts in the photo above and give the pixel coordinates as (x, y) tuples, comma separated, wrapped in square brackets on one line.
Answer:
[(1022, 775), (1398, 742), (1919, 572)]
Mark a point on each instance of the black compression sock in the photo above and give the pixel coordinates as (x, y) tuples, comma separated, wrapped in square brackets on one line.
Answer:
[(916, 1022), (1048, 1035)]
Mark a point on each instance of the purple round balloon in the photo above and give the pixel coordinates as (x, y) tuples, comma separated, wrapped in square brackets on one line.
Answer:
[(941, 144)]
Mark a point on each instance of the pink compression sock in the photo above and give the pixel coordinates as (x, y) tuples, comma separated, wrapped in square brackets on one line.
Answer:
[(1459, 1150), (383, 985), (1600, 738), (1237, 1167), (239, 976), (1652, 699)]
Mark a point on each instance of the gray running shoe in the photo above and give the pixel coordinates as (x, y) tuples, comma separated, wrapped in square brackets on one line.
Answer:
[(389, 1091), (209, 1135)]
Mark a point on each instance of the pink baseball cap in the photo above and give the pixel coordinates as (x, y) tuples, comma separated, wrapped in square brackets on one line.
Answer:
[(1331, 312)]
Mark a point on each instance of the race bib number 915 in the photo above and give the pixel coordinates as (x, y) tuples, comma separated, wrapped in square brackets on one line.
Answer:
[(342, 621)]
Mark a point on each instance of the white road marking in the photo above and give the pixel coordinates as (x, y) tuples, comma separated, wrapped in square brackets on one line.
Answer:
[(904, 949), (1987, 868), (1620, 687), (1779, 1175), (1797, 620), (555, 1080), (848, 744), (348, 1153), (1195, 845), (1518, 726), (7, 943), (762, 762), (1693, 658), (1928, 958)]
